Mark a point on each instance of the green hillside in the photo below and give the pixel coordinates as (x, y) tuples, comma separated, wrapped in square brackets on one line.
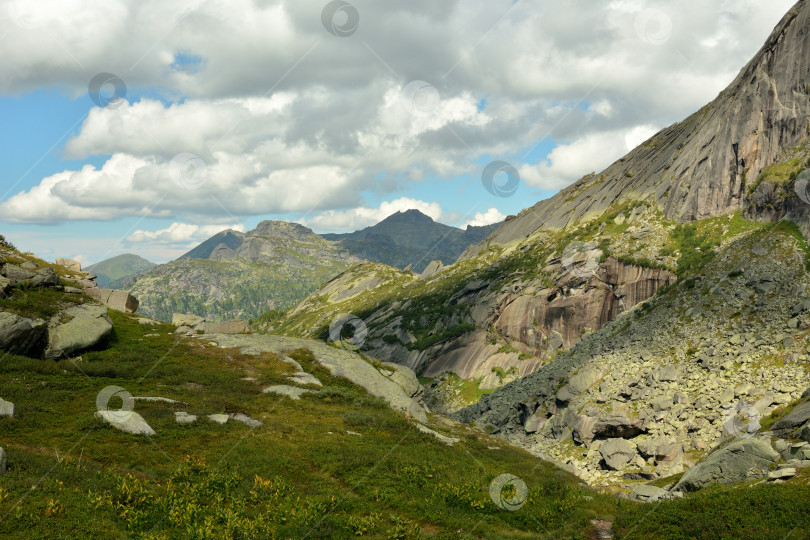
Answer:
[(113, 272)]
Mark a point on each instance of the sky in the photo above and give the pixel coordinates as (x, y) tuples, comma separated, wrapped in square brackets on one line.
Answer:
[(147, 126)]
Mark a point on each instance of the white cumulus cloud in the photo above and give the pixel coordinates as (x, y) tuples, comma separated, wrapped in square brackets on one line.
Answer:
[(361, 217), (485, 218), (179, 233), (591, 153)]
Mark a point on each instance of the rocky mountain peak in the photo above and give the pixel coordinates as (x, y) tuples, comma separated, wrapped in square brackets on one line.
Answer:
[(409, 216), (703, 166), (281, 228)]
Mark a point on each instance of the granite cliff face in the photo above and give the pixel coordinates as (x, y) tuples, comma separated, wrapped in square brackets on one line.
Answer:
[(704, 166), (564, 269)]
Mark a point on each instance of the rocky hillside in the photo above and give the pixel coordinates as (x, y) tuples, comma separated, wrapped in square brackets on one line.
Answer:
[(707, 359), (297, 438), (410, 239), (629, 295), (115, 272), (241, 275), (710, 164), (512, 301)]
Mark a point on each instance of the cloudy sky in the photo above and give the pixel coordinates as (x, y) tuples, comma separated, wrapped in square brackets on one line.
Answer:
[(146, 126)]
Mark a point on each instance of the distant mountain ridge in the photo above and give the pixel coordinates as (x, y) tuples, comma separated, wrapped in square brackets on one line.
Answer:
[(114, 272), (410, 238), (277, 264), (242, 275)]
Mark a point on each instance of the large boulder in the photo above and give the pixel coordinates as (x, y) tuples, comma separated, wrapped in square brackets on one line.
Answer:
[(114, 299), (431, 270), (403, 376), (21, 335), (87, 325), (5, 286), (16, 274), (579, 383), (737, 461), (618, 426), (46, 277), (797, 417), (235, 326), (617, 453), (185, 319), (6, 408), (647, 493), (126, 421), (70, 264)]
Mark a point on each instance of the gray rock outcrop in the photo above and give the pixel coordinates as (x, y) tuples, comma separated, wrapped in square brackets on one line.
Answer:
[(128, 422), (6, 408), (339, 362), (291, 392), (22, 335), (70, 264), (87, 325), (737, 461), (617, 453), (114, 299), (235, 326)]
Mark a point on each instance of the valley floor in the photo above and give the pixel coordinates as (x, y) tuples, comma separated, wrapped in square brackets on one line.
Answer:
[(336, 463)]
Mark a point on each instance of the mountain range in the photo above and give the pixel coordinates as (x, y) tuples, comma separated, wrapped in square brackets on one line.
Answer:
[(621, 326), (274, 266), (641, 337), (410, 238)]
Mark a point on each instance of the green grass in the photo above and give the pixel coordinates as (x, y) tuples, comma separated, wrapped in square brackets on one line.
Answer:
[(38, 302), (764, 511), (300, 473)]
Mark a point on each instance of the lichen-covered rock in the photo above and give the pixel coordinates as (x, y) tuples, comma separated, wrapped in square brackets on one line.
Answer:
[(126, 421), (617, 453), (22, 335), (339, 362), (46, 277), (291, 392), (185, 319), (737, 461), (235, 326), (183, 418), (304, 379), (6, 408), (115, 299), (70, 264), (647, 493), (87, 325)]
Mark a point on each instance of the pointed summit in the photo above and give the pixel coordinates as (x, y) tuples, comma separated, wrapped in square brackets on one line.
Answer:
[(706, 165)]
